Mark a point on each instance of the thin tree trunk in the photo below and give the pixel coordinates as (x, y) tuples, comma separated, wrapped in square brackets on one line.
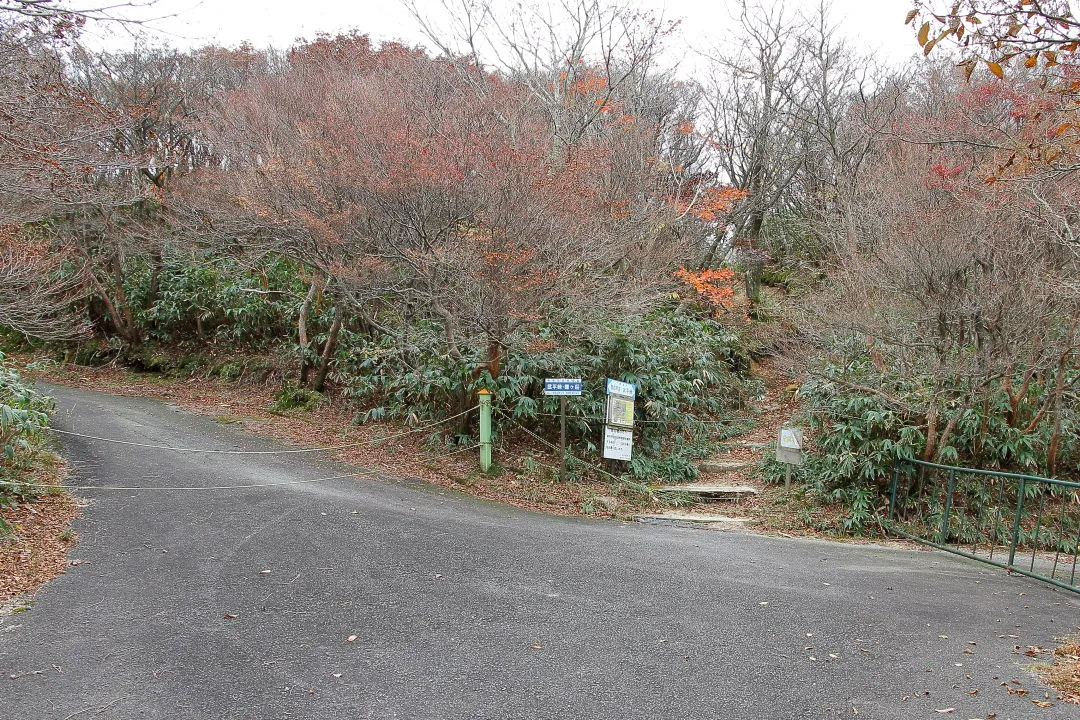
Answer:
[(328, 349), (114, 311), (156, 265), (302, 330)]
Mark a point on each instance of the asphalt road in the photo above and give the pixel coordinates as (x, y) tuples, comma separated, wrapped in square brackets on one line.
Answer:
[(387, 599)]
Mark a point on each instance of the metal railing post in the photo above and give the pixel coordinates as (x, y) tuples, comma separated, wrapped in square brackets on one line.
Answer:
[(1016, 521), (951, 487)]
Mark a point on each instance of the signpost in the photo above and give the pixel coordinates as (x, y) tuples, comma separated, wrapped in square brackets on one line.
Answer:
[(619, 420), (789, 450), (562, 388)]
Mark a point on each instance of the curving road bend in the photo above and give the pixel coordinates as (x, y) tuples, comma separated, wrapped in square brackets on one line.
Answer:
[(359, 598)]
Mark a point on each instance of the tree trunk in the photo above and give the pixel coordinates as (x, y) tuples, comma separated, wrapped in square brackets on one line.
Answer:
[(156, 265), (328, 349), (118, 314), (494, 359), (302, 330)]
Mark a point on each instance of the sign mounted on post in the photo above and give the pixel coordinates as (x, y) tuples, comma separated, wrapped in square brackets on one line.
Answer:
[(789, 450), (619, 420), (618, 443), (618, 387), (562, 386)]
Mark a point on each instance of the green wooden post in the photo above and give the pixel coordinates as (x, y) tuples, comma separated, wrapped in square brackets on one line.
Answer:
[(485, 430)]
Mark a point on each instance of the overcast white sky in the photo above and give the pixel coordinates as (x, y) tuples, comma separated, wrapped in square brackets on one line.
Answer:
[(872, 25)]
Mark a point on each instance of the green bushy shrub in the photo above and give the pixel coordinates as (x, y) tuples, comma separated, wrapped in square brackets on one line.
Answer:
[(24, 414), (862, 418), (689, 370)]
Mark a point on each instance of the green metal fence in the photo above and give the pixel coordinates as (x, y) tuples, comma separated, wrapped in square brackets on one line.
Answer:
[(1023, 523)]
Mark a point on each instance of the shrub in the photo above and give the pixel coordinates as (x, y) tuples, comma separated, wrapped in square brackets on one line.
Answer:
[(689, 370), (24, 414)]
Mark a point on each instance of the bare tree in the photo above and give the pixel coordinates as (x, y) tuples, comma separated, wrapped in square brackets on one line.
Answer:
[(37, 291), (788, 116), (53, 137), (402, 181), (960, 288)]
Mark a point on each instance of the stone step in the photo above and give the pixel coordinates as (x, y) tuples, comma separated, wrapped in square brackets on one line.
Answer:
[(708, 491), (759, 446), (723, 465), (675, 517)]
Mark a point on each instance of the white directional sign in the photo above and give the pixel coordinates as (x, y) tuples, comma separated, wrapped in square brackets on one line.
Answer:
[(789, 446), (618, 443), (791, 438)]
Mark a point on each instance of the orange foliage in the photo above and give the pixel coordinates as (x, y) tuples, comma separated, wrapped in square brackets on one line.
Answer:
[(714, 286), (585, 83), (711, 203)]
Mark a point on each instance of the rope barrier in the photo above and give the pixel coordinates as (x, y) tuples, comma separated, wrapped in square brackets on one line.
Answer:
[(555, 447), (590, 418), (265, 452), (186, 488), (362, 473)]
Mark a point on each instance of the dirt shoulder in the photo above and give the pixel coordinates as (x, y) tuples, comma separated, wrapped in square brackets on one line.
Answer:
[(41, 535)]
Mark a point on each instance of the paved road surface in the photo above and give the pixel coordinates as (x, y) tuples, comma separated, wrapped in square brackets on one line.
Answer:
[(465, 609)]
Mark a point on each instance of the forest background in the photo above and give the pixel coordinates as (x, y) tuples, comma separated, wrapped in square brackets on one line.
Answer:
[(539, 196)]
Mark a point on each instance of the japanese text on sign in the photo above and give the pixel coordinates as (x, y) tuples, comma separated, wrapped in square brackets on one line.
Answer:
[(618, 443), (562, 386), (617, 387)]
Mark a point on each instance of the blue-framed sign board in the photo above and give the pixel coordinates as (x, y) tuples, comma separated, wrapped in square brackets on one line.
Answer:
[(562, 386), (618, 387)]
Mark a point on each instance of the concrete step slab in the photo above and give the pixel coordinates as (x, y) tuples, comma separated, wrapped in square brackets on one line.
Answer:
[(723, 465), (686, 517), (708, 491), (758, 446)]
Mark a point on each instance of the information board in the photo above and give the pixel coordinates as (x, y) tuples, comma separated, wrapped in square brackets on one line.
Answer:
[(620, 411), (618, 443)]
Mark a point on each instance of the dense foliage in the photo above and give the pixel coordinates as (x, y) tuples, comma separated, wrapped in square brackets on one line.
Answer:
[(24, 414)]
